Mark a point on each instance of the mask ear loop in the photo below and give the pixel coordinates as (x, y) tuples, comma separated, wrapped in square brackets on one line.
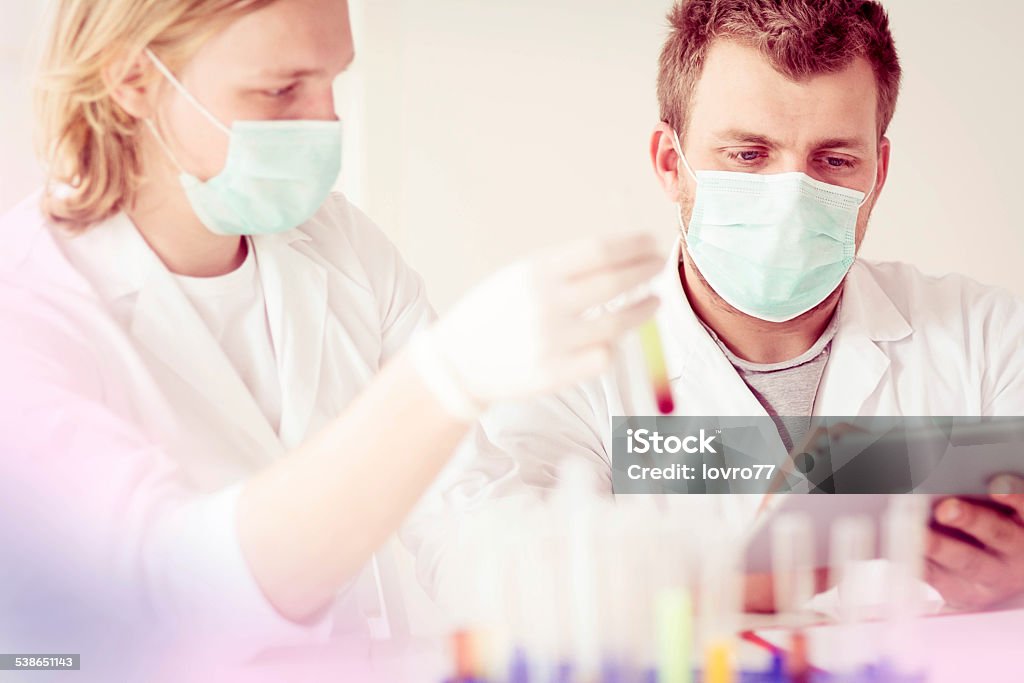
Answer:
[(163, 145), (679, 150), (679, 207), (874, 183), (162, 68)]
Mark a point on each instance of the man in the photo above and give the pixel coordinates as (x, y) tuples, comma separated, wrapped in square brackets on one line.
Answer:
[(765, 309)]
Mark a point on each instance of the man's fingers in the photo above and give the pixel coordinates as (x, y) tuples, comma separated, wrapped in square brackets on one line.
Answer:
[(607, 327), (974, 564), (1008, 489), (994, 529), (955, 589), (600, 287)]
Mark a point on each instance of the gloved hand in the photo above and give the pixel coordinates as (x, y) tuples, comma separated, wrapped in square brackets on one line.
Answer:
[(535, 326)]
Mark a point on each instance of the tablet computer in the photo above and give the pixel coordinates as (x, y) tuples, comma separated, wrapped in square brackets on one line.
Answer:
[(857, 474)]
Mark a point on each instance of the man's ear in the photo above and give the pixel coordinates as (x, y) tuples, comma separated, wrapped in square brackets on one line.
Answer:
[(665, 160), (884, 148), (130, 82)]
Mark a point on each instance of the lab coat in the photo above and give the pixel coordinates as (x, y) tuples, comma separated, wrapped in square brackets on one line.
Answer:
[(125, 431), (906, 344)]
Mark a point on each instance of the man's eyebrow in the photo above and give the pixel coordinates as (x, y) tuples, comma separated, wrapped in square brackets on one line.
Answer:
[(289, 73), (854, 144), (735, 135), (739, 136), (278, 72)]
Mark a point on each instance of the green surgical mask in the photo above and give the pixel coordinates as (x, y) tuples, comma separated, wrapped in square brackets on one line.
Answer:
[(773, 246), (276, 175)]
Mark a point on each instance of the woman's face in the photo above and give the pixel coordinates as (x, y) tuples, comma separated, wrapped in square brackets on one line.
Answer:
[(278, 62)]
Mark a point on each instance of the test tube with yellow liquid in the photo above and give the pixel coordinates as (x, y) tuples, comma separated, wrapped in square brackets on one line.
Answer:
[(654, 359)]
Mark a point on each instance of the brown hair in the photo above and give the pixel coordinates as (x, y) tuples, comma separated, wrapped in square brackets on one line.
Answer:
[(88, 143), (799, 38)]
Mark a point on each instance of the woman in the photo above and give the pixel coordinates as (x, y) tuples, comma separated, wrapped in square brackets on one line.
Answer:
[(208, 358)]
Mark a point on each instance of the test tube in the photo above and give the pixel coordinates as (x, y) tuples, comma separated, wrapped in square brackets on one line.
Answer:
[(720, 602), (793, 582), (657, 371), (468, 640), (463, 652), (535, 582), (852, 544), (792, 565), (628, 623), (519, 612), (563, 645), (798, 663), (906, 521), (580, 498), (518, 666), (718, 662), (673, 603), (673, 614), (490, 615)]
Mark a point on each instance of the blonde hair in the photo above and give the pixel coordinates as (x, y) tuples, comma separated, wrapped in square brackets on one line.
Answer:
[(89, 145)]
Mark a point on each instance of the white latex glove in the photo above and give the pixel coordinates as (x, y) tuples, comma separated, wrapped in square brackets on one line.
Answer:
[(535, 326)]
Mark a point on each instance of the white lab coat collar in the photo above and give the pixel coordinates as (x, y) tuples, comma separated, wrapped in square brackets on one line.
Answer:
[(165, 323), (857, 363), (702, 378), (126, 260), (295, 287), (867, 315), (683, 334)]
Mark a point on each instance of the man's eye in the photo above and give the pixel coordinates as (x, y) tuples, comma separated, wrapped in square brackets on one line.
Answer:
[(745, 155), (280, 92), (837, 162)]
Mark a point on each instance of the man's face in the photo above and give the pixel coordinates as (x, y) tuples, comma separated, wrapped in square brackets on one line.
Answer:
[(745, 116), (277, 62)]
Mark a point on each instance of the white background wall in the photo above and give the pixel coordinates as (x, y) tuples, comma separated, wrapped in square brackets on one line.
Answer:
[(486, 129), (19, 23), (500, 126)]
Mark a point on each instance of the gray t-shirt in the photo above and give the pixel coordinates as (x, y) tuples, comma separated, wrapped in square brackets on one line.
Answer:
[(786, 389)]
